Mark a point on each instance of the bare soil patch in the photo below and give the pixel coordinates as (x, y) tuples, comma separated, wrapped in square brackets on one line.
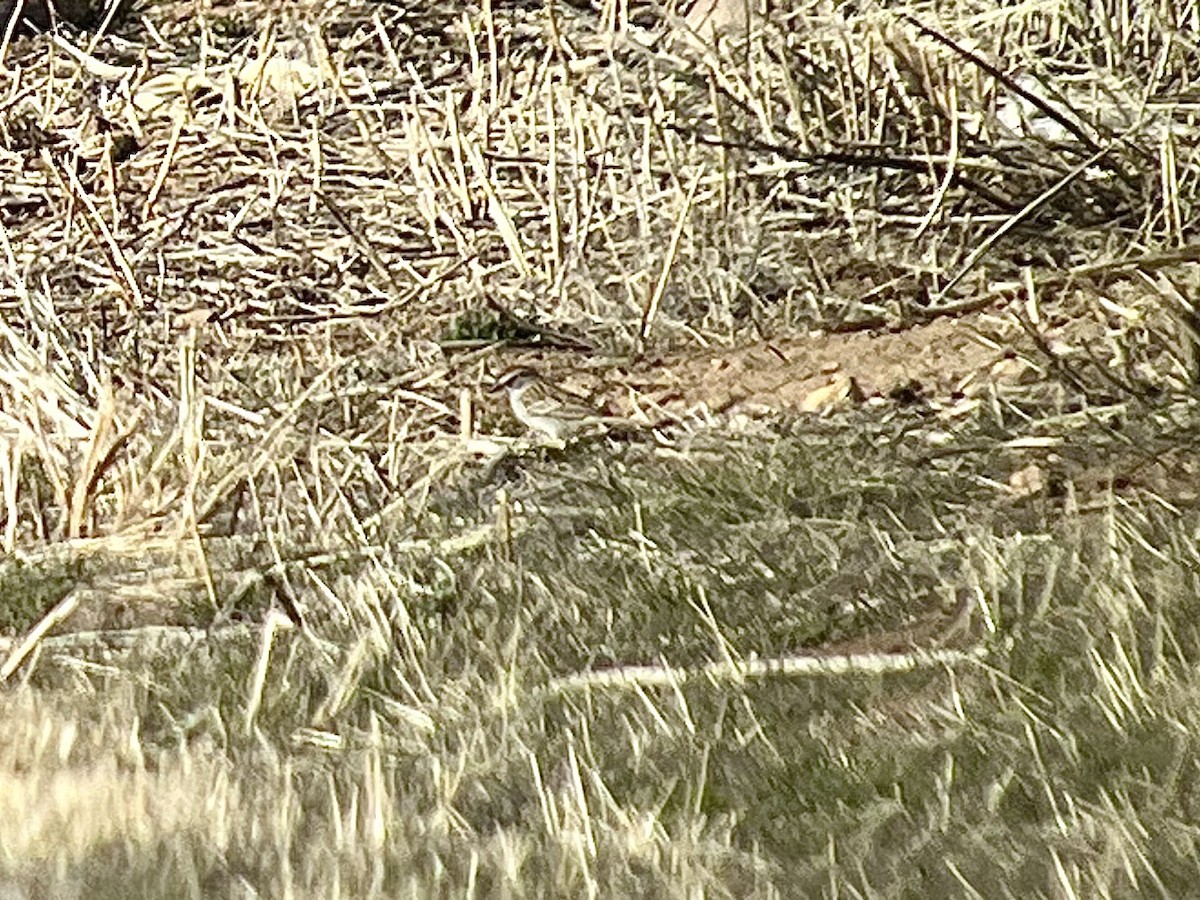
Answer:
[(937, 359)]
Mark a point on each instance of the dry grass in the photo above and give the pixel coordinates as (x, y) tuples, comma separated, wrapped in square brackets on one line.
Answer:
[(257, 259)]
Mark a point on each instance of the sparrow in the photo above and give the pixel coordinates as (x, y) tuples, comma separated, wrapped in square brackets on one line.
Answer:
[(539, 407)]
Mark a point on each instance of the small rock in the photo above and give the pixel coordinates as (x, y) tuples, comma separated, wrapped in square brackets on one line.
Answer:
[(840, 391), (1027, 481)]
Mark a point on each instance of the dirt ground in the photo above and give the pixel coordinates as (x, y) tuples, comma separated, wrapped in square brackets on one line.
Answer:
[(940, 362), (792, 374)]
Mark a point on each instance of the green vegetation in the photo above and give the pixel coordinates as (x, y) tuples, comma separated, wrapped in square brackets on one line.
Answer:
[(415, 743)]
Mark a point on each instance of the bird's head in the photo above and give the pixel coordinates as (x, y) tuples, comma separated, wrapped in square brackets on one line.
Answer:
[(516, 379)]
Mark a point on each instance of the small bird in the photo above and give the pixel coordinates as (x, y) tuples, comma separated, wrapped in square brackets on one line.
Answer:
[(539, 407)]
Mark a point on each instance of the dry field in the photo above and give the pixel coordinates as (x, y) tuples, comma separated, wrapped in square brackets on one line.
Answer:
[(887, 589)]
